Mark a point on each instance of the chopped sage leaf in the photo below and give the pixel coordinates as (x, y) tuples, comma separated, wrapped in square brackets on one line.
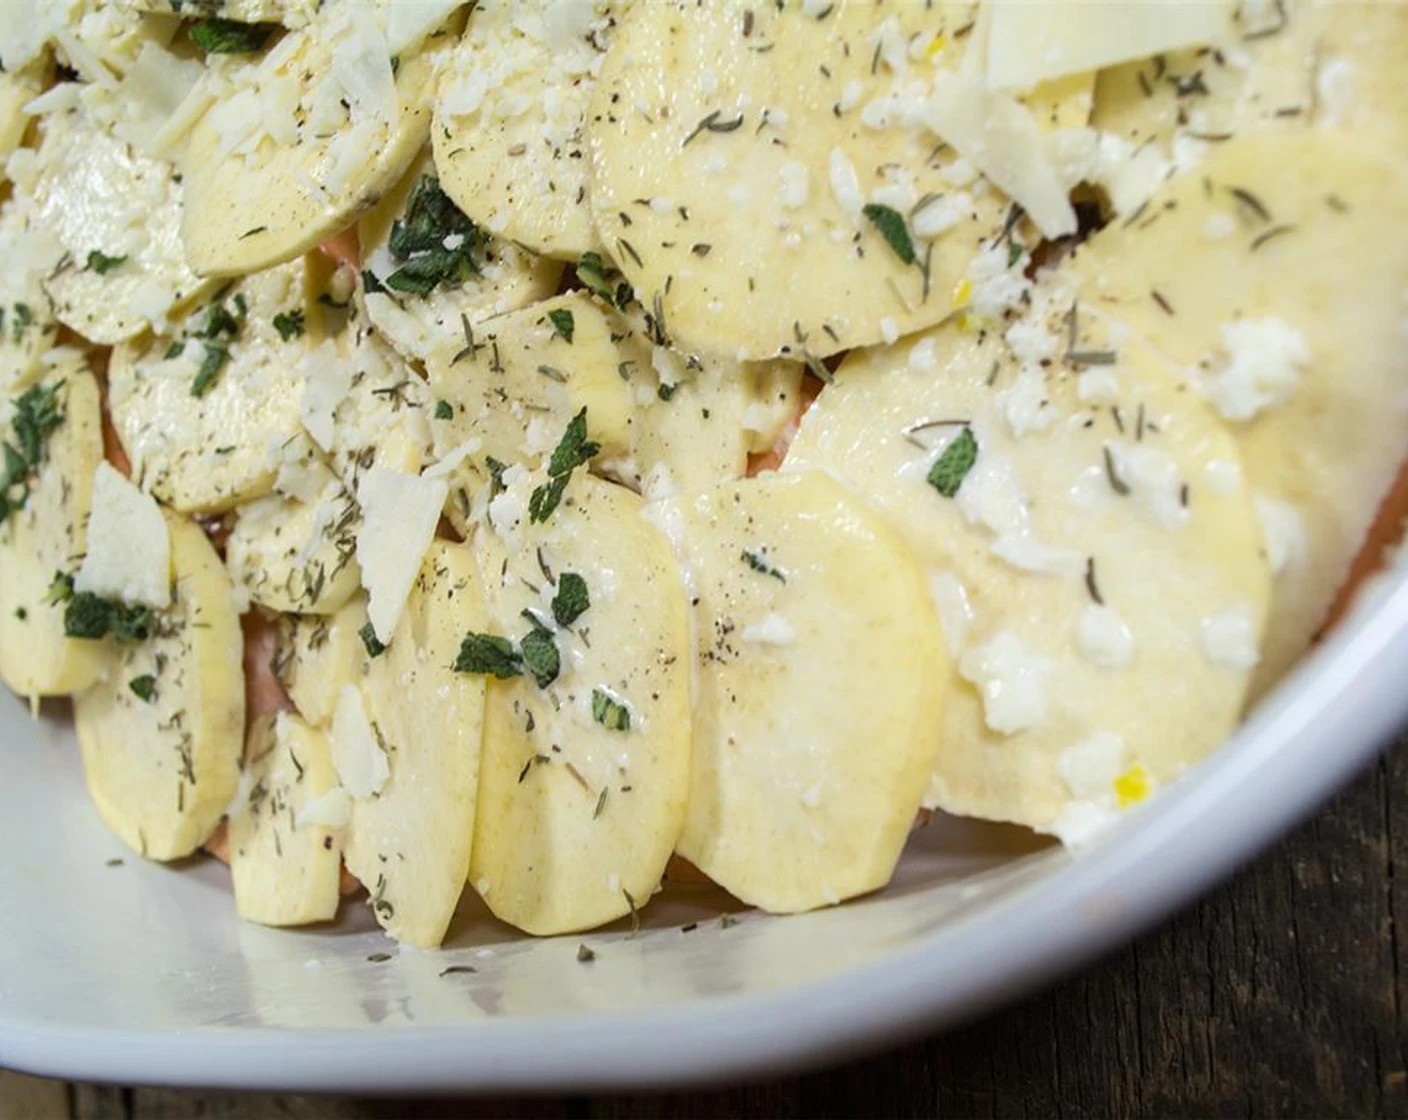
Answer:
[(562, 323), (490, 655), (102, 264), (890, 223), (374, 646), (952, 467), (610, 712), (571, 600), (143, 687)]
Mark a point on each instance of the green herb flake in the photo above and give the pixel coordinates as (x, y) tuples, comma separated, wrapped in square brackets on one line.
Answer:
[(143, 687), (216, 355), (38, 413), (665, 392), (571, 600), (759, 563), (102, 264), (436, 243), (891, 225), (541, 656), (444, 410), (289, 324), (562, 323), (227, 36), (92, 617), (952, 467), (610, 712), (174, 351), (374, 646), (572, 451), (490, 655), (592, 273)]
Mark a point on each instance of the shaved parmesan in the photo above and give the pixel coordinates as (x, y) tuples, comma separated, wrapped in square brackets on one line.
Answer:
[(399, 515), (1030, 43), (129, 549), (357, 756), (330, 810)]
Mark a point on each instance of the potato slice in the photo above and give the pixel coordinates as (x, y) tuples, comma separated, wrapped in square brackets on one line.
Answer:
[(341, 125), (584, 776), (46, 536), (1095, 558), (202, 412), (317, 655), (511, 118), (1276, 248), (409, 839), (161, 771), (17, 90), (117, 215), (714, 195), (506, 276), (821, 674), (286, 831)]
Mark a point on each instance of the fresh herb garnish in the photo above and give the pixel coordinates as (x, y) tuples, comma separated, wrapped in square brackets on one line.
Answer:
[(38, 414), (890, 223), (572, 451), (571, 600), (665, 392), (289, 324), (228, 36), (435, 241), (216, 355), (540, 656), (221, 328), (490, 655), (496, 475), (143, 687), (102, 264), (90, 616), (562, 323), (444, 410), (952, 467), (374, 646), (759, 563), (610, 712), (592, 273)]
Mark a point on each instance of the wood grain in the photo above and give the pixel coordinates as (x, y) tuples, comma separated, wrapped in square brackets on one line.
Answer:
[(1279, 995)]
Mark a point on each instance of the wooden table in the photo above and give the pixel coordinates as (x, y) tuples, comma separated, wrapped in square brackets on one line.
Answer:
[(1278, 995)]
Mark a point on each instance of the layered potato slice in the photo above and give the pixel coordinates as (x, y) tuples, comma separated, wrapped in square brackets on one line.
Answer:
[(1268, 277), (821, 678), (18, 89), (511, 119), (117, 215), (804, 145), (1093, 551), (285, 837), (162, 732), (406, 734), (429, 270), (311, 135), (44, 532), (585, 767), (203, 412), (316, 655)]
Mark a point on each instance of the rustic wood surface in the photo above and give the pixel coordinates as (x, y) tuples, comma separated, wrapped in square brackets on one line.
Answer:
[(1279, 995)]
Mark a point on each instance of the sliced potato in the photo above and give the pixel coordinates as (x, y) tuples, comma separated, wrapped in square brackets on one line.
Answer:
[(511, 119), (286, 831), (297, 556), (18, 89), (47, 536), (266, 184), (584, 776), (821, 674), (161, 771), (203, 431), (1276, 247), (1096, 561), (409, 840), (317, 655), (504, 276), (117, 215)]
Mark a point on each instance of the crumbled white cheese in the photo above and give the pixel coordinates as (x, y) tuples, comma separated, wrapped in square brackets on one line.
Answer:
[(1103, 637), (889, 331), (771, 630), (997, 285), (357, 755), (1152, 477), (1024, 405), (332, 809), (399, 515), (923, 356), (992, 496), (129, 548), (1263, 367), (1335, 92), (1098, 385), (1089, 768), (1229, 638), (1284, 531), (1025, 552), (845, 186), (1224, 476), (1012, 681), (941, 214), (327, 379), (955, 611), (1081, 822), (1219, 225)]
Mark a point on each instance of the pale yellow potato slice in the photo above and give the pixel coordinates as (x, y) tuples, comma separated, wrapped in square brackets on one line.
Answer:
[(205, 453), (97, 196), (583, 778), (17, 90), (286, 829), (821, 677), (506, 276), (317, 655), (409, 841), (310, 137), (511, 119), (161, 771), (47, 536), (714, 195), (1099, 570), (297, 556), (1282, 234)]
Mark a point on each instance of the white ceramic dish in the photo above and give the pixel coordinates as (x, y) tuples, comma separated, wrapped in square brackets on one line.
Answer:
[(138, 973)]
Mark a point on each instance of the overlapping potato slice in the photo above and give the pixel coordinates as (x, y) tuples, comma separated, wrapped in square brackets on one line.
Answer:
[(821, 677), (413, 809), (585, 767), (46, 534), (317, 655), (285, 835), (117, 215), (432, 269), (17, 90), (715, 194), (1094, 555), (162, 732), (511, 119), (204, 412), (312, 135), (1267, 274)]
